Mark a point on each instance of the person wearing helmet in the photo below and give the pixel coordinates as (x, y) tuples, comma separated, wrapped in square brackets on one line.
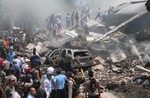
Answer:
[(27, 70), (48, 84), (50, 69), (40, 92)]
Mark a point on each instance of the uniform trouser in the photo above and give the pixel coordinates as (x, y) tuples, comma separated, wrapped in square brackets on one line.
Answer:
[(68, 24), (98, 16), (96, 96), (61, 93), (53, 94)]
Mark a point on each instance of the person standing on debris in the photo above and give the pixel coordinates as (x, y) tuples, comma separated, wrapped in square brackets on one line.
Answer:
[(72, 18), (68, 61), (77, 18), (34, 53), (99, 14), (88, 12), (58, 22), (92, 88), (68, 20)]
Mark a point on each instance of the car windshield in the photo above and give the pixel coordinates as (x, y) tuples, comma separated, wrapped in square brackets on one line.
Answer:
[(81, 53)]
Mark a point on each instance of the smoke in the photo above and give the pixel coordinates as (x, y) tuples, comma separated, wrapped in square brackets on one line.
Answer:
[(32, 13)]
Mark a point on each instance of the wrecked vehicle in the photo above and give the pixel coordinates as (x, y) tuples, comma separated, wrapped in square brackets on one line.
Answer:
[(78, 58)]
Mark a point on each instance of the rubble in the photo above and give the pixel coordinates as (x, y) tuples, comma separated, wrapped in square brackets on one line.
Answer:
[(117, 56)]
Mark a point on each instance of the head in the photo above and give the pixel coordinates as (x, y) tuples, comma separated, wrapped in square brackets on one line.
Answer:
[(19, 88), (34, 51), (36, 84), (12, 81), (49, 75), (15, 56), (68, 75), (75, 71), (14, 62), (59, 71), (21, 78), (36, 66), (32, 91), (12, 71), (27, 70), (90, 73)]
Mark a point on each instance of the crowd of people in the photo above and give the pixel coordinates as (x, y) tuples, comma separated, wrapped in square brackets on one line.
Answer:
[(73, 19), (22, 76)]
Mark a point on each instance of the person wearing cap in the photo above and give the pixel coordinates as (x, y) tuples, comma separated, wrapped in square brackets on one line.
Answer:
[(59, 83), (10, 89), (48, 84)]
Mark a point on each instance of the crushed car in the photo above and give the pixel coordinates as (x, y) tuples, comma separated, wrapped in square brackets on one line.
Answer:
[(69, 59)]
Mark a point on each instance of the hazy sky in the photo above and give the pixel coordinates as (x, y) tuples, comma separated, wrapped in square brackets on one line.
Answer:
[(40, 9)]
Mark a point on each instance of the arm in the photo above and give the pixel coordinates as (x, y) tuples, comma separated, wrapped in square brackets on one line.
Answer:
[(55, 85), (38, 75), (1, 89), (99, 89)]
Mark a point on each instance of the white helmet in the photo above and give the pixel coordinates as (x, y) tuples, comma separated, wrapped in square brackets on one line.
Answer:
[(50, 69)]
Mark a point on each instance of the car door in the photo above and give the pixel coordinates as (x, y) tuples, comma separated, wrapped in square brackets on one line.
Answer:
[(54, 57)]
